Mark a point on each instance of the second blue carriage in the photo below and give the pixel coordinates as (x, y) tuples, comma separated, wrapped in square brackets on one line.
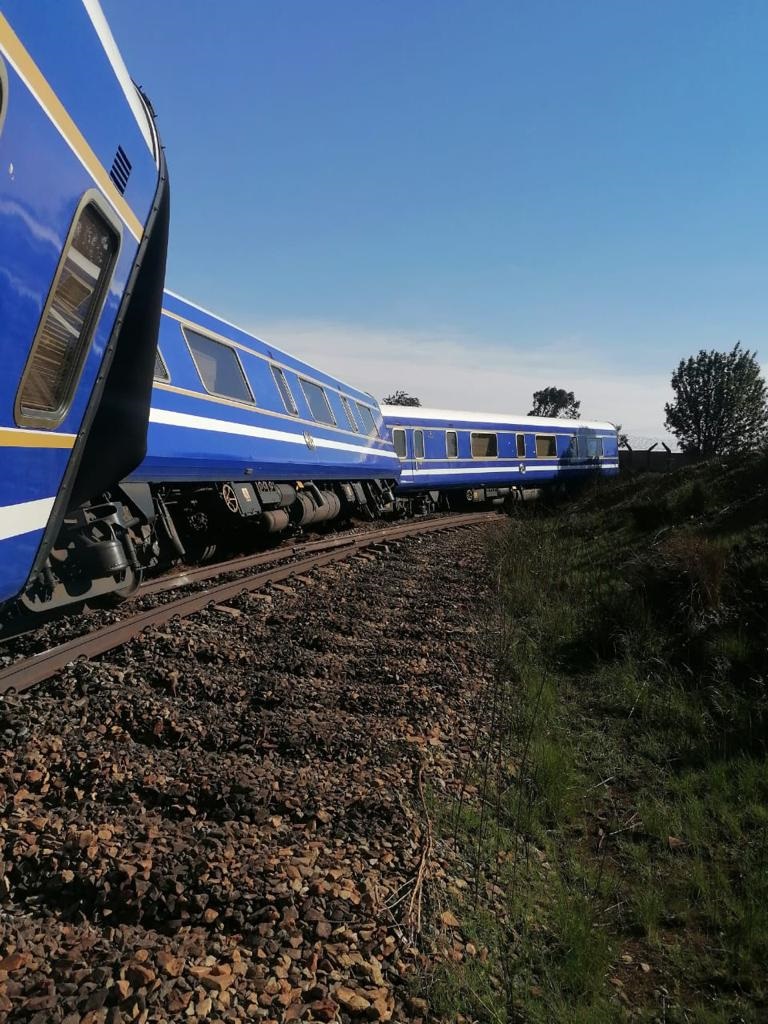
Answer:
[(244, 436)]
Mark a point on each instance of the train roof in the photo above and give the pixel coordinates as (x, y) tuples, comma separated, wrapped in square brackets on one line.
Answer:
[(411, 413), (244, 338)]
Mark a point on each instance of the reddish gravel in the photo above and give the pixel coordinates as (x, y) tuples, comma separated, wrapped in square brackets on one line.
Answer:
[(225, 820)]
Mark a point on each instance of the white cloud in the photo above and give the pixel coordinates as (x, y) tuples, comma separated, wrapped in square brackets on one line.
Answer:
[(465, 373)]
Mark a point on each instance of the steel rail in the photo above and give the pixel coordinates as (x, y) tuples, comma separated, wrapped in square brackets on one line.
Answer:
[(28, 672), (241, 562)]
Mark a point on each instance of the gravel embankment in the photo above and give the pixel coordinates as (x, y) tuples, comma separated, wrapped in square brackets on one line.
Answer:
[(224, 820)]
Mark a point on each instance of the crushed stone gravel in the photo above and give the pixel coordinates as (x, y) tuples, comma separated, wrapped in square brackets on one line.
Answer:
[(225, 819)]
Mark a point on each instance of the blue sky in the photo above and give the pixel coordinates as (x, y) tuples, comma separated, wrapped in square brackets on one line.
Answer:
[(469, 198)]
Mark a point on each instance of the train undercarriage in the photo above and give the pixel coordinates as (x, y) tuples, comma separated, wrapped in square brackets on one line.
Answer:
[(106, 548)]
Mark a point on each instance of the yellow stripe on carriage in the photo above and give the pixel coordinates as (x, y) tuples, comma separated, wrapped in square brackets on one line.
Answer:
[(10, 437), (50, 102)]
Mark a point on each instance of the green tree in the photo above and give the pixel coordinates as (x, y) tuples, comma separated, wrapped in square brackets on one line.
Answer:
[(555, 402), (719, 403), (400, 398)]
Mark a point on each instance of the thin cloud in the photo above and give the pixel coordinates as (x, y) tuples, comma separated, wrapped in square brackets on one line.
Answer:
[(466, 373)]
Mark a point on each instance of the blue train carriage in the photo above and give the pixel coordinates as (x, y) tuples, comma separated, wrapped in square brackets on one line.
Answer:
[(472, 457), (245, 439), (83, 233)]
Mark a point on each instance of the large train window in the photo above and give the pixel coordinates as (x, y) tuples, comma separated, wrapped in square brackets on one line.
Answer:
[(451, 444), (418, 444), (546, 446), (369, 423), (69, 318), (485, 446), (219, 367), (285, 391), (398, 440), (349, 414), (318, 402), (521, 446), (161, 370), (594, 446)]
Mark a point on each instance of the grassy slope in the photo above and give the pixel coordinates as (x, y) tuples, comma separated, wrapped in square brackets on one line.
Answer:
[(618, 819)]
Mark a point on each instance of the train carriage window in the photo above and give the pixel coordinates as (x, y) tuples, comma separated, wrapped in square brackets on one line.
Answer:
[(369, 423), (546, 446), (520, 446), (418, 444), (485, 446), (451, 444), (398, 440), (349, 414), (572, 450), (285, 392), (68, 321), (594, 447), (318, 402), (161, 370), (219, 367)]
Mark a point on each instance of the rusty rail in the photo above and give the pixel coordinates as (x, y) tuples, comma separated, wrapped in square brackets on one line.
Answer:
[(28, 672)]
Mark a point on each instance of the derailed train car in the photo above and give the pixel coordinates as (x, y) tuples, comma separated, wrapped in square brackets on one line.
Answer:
[(457, 458), (246, 440), (83, 237)]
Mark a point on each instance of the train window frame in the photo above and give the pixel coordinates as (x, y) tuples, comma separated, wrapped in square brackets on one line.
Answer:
[(456, 443), (373, 431), (50, 419), (166, 378), (546, 437), (597, 441), (346, 405), (3, 93), (312, 384), (418, 432), (483, 433), (286, 395), (518, 445), (400, 432), (185, 330)]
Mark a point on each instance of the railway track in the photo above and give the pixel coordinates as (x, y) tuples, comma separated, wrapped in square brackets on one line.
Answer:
[(279, 565)]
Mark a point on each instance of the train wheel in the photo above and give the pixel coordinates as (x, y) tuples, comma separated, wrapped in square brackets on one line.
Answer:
[(127, 585)]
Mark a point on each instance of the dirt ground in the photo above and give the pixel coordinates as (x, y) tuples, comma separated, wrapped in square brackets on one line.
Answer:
[(228, 819)]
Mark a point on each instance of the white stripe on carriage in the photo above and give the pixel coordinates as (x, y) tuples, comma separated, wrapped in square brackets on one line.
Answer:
[(25, 517), (183, 419), (107, 40), (413, 473)]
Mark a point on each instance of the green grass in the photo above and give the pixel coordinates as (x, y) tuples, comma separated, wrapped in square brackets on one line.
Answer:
[(632, 697)]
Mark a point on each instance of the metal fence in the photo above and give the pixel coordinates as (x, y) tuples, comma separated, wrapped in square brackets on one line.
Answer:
[(656, 459)]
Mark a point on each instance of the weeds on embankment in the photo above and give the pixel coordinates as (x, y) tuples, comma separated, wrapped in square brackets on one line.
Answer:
[(617, 818)]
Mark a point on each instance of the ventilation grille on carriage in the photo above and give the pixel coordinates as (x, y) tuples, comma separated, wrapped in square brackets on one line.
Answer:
[(121, 170)]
